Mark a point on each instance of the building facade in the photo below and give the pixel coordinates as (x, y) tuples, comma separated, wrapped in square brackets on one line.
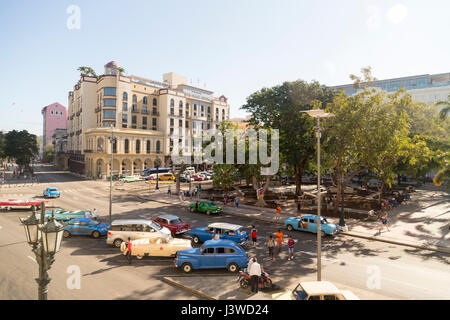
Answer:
[(146, 117), (55, 117), (428, 88)]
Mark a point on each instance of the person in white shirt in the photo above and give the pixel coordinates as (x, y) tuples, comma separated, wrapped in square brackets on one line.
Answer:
[(255, 273), (95, 214)]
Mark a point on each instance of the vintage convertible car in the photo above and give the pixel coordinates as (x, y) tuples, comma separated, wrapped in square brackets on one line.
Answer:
[(156, 247), (20, 204), (308, 223)]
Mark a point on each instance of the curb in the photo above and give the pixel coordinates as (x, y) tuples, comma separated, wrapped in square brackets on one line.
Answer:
[(423, 247), (189, 289)]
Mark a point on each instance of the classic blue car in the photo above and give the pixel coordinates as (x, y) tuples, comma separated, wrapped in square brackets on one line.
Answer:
[(86, 227), (52, 192), (309, 223), (213, 254), (227, 231)]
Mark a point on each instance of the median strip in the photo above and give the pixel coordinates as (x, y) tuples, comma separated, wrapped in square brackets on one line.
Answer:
[(186, 288)]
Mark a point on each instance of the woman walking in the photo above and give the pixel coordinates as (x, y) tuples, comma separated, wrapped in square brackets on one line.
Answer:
[(270, 244)]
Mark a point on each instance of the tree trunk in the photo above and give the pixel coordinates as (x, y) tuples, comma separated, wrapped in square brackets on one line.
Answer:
[(298, 180), (337, 200), (381, 193)]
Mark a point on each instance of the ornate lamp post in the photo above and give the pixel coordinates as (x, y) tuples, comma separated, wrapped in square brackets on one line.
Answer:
[(157, 164), (112, 139), (318, 113), (45, 239)]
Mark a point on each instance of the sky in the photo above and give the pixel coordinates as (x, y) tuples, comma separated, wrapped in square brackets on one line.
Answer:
[(232, 47)]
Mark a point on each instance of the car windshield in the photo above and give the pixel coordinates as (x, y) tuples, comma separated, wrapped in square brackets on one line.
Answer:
[(52, 189), (324, 221), (299, 293), (156, 226), (175, 221)]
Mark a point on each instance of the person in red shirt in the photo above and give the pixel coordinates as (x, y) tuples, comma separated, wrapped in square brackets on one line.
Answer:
[(291, 243), (277, 213), (254, 232), (129, 250)]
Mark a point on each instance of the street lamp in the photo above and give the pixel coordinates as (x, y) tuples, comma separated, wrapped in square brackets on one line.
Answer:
[(45, 239), (112, 139), (318, 113), (342, 225)]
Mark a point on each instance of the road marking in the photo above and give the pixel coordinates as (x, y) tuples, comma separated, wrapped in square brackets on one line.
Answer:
[(32, 258)]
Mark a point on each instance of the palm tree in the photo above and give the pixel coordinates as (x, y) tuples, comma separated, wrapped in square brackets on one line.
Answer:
[(443, 113), (87, 71)]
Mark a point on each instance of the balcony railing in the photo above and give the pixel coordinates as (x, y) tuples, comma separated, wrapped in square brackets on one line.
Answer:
[(98, 109), (88, 151), (144, 112), (155, 113), (134, 110)]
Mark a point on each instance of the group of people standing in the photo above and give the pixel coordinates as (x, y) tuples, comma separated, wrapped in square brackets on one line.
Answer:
[(195, 192), (91, 214)]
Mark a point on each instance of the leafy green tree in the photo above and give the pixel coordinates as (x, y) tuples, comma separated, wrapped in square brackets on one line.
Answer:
[(84, 70), (444, 112), (281, 107), (225, 176), (21, 146), (49, 153)]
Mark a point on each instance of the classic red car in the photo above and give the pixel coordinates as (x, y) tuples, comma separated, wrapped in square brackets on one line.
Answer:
[(173, 223), (20, 204)]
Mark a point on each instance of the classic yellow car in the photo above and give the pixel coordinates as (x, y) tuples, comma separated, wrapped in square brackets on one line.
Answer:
[(315, 290), (156, 247)]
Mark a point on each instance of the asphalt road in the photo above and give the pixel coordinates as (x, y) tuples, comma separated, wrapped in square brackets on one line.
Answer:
[(372, 270)]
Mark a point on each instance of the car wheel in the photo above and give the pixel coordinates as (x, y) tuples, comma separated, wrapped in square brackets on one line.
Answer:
[(139, 257), (233, 267), (196, 240), (96, 234), (243, 283), (187, 267), (208, 212), (289, 227), (66, 234), (268, 284), (117, 243), (322, 234)]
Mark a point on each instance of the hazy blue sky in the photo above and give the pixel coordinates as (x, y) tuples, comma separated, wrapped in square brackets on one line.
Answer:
[(235, 47)]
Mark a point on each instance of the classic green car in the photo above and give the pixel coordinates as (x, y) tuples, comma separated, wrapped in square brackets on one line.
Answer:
[(129, 179), (64, 215), (205, 206)]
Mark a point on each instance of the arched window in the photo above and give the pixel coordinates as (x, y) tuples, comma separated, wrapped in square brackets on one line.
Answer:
[(125, 96), (127, 146), (144, 101), (100, 145), (134, 98), (148, 146), (180, 104), (114, 146), (155, 103), (158, 146), (138, 146), (172, 103)]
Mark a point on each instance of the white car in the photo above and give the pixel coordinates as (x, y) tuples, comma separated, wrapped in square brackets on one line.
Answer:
[(315, 290), (157, 247)]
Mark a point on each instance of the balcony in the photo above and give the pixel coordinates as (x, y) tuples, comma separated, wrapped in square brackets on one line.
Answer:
[(134, 110), (144, 112), (155, 113), (98, 109), (78, 132), (88, 151), (71, 116), (173, 114)]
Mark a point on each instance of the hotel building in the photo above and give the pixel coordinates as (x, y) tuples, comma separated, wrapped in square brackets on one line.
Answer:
[(146, 117), (428, 88)]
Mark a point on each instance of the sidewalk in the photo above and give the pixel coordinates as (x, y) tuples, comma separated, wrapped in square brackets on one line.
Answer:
[(423, 223)]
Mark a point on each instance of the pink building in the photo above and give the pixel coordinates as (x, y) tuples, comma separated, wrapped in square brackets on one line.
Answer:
[(55, 117)]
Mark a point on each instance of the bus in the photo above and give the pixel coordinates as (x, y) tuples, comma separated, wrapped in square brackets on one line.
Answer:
[(150, 171)]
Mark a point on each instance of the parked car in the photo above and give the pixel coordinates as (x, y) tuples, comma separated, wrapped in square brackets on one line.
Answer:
[(122, 229), (156, 247), (213, 254), (166, 177), (206, 206), (129, 179), (227, 231), (308, 223), (64, 215), (173, 223), (86, 227), (315, 290), (52, 192)]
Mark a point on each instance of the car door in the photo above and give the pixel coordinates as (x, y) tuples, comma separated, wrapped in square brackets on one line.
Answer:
[(84, 228), (312, 225), (221, 257), (208, 258), (229, 235), (303, 224)]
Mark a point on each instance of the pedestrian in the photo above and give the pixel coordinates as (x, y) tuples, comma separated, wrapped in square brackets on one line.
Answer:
[(217, 236), (87, 214), (95, 214), (277, 213), (279, 236), (225, 200), (384, 222), (169, 190), (291, 243), (270, 244), (199, 190), (129, 247), (236, 201), (254, 273), (254, 233)]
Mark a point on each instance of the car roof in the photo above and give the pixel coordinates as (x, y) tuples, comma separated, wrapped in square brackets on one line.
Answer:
[(130, 221), (82, 219), (223, 225), (215, 243), (319, 287), (52, 188), (168, 217)]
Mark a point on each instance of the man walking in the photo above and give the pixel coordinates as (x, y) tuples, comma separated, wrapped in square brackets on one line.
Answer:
[(270, 244), (254, 273), (291, 243), (236, 201), (254, 233), (129, 247), (169, 190), (279, 236), (95, 214)]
